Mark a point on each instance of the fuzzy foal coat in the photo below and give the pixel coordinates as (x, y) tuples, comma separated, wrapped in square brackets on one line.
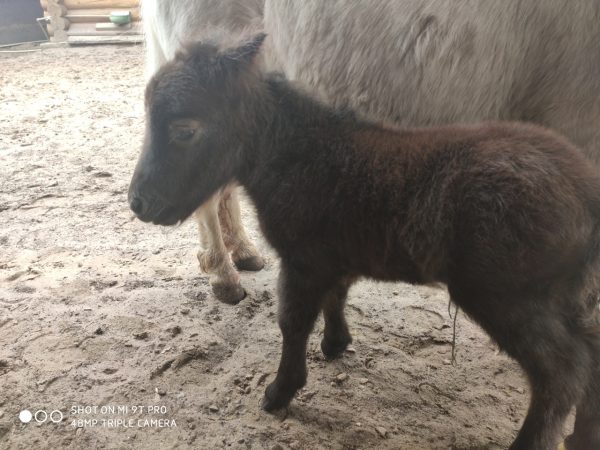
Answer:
[(498, 207), (506, 214)]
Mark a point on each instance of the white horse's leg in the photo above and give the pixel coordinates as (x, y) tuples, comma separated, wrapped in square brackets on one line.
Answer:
[(163, 24), (214, 257), (244, 254), (155, 53)]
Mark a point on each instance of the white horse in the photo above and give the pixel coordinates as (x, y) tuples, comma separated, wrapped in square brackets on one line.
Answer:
[(407, 62), (431, 62)]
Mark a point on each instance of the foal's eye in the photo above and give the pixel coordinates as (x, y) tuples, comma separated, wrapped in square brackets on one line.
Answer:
[(183, 134), (184, 130)]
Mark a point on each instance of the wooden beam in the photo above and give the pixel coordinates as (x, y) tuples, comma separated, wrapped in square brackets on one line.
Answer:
[(89, 29), (89, 4), (98, 14), (93, 40), (112, 27)]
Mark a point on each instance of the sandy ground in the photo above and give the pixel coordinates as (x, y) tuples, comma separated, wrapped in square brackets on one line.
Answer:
[(100, 310)]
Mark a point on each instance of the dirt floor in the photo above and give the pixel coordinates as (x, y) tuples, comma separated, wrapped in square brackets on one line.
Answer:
[(99, 310)]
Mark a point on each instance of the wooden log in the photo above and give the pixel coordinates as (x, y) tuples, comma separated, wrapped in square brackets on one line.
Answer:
[(98, 14), (56, 8), (89, 4), (60, 25), (88, 40), (112, 27), (89, 29), (60, 36)]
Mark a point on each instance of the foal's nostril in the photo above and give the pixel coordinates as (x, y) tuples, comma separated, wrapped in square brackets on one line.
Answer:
[(137, 205)]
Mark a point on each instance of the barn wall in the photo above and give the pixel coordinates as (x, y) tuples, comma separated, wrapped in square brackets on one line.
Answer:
[(71, 20), (17, 21)]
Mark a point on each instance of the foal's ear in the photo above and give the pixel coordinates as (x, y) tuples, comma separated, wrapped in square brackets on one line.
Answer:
[(243, 56)]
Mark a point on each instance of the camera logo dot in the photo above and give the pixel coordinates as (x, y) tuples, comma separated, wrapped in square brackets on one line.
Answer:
[(40, 416), (56, 416), (25, 416)]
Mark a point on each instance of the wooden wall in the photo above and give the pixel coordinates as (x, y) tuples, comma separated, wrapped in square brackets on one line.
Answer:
[(81, 18)]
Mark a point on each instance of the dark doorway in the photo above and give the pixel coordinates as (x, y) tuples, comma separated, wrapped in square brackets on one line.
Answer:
[(18, 21)]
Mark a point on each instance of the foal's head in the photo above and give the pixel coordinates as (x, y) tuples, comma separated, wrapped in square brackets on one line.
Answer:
[(195, 112)]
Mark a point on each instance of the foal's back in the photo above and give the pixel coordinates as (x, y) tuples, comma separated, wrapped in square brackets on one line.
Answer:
[(489, 196)]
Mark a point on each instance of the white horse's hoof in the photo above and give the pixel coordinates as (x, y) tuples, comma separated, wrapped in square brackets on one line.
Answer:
[(252, 263), (229, 293)]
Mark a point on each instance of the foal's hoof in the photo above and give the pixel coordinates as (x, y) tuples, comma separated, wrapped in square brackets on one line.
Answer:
[(561, 446), (332, 348), (274, 400), (251, 264), (231, 294)]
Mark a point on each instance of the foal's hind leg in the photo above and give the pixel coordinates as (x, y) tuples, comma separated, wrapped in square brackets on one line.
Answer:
[(558, 367), (557, 364), (554, 358), (586, 435), (214, 258), (244, 253), (336, 336)]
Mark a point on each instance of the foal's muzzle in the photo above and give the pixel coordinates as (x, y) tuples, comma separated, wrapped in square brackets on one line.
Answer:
[(153, 210)]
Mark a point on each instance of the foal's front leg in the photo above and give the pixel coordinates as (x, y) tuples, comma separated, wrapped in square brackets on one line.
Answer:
[(300, 301)]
